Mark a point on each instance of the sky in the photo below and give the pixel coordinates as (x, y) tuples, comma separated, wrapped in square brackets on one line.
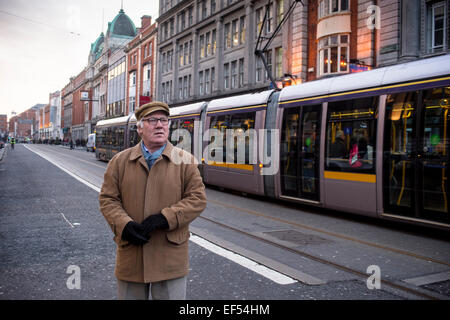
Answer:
[(45, 42)]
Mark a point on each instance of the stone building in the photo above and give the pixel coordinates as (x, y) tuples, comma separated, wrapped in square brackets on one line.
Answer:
[(206, 48)]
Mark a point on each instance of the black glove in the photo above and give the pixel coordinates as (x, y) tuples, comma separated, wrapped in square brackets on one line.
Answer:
[(134, 233), (154, 222)]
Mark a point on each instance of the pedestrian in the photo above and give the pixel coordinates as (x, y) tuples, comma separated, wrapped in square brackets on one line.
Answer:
[(338, 149), (71, 144), (148, 199)]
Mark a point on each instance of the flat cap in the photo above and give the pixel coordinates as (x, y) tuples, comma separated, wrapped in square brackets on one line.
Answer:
[(151, 107)]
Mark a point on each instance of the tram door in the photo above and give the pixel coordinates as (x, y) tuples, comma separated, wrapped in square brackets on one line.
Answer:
[(299, 158), (417, 148)]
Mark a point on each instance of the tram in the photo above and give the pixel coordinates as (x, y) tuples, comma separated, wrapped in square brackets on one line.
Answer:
[(373, 143), (115, 135)]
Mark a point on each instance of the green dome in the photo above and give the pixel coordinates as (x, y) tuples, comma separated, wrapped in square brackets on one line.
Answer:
[(121, 26), (98, 43)]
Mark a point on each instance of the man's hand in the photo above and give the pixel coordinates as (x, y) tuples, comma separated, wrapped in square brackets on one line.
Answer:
[(134, 233), (154, 222)]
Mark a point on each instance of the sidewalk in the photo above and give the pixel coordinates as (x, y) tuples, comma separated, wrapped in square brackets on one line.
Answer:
[(3, 151)]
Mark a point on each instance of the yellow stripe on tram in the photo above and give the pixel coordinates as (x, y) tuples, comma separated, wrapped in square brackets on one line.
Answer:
[(248, 167), (359, 177)]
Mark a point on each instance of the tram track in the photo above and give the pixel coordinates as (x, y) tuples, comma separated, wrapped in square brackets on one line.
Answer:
[(323, 261), (332, 234)]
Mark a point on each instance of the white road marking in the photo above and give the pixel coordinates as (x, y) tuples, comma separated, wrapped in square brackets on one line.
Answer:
[(241, 260), (429, 279), (90, 185), (64, 217)]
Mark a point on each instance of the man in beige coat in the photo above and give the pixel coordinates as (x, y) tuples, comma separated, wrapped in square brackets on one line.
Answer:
[(148, 199)]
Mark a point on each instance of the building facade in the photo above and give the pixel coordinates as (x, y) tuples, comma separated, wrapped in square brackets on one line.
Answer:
[(66, 108), (141, 71), (3, 126), (22, 126), (49, 118), (106, 70), (206, 48), (81, 109)]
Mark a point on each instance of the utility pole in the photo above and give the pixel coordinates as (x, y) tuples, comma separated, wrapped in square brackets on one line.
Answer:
[(260, 50)]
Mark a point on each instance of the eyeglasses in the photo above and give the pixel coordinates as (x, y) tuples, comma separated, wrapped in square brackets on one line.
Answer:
[(154, 121)]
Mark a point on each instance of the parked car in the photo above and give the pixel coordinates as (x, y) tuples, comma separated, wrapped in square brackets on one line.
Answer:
[(90, 145)]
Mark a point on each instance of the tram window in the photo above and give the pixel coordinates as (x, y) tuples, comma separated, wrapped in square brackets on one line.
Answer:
[(351, 135), (134, 136), (240, 126), (121, 137), (187, 124), (437, 105), (114, 136)]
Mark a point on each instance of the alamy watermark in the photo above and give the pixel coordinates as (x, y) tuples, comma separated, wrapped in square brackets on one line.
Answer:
[(374, 20), (74, 280), (231, 146), (374, 281)]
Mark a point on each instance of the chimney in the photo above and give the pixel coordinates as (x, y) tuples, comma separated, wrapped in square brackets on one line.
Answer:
[(145, 22)]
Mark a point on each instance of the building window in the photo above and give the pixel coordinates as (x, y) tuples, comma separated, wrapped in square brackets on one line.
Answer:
[(226, 75), (133, 79), (279, 62), (202, 46), (207, 81), (146, 79), (190, 16), (180, 54), (132, 104), (164, 62), (227, 36), (269, 63), (259, 69), (169, 60), (172, 26), (437, 28), (235, 33), (200, 82), (259, 20), (234, 75), (327, 7), (213, 78), (269, 19), (180, 88), (208, 43), (241, 72), (333, 54), (185, 87), (186, 53), (280, 10), (242, 29), (213, 42)]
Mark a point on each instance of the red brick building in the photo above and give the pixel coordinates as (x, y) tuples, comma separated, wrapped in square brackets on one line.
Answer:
[(21, 126), (81, 110), (3, 124), (141, 65)]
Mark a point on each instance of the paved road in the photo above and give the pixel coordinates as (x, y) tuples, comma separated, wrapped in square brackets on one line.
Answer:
[(50, 221)]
